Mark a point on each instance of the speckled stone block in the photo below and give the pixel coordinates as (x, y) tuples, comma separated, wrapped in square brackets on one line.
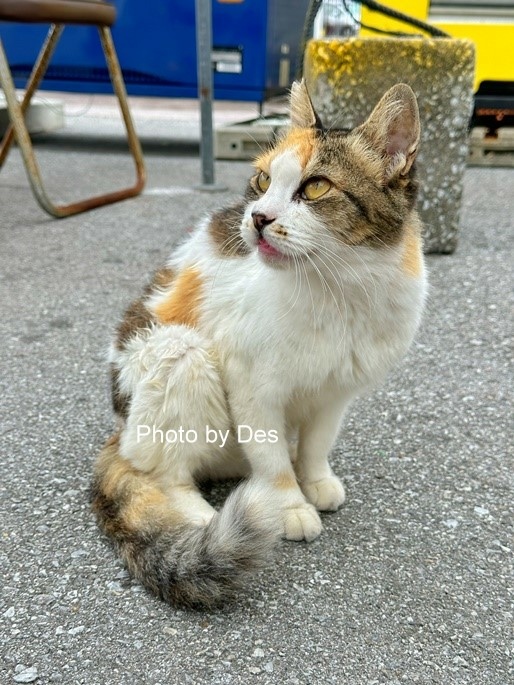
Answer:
[(347, 77)]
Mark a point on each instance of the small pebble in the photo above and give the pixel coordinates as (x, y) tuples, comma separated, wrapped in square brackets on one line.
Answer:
[(115, 586), (25, 674), (77, 630), (481, 511), (78, 553)]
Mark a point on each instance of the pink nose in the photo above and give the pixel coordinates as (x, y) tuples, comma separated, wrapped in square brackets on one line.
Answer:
[(261, 220)]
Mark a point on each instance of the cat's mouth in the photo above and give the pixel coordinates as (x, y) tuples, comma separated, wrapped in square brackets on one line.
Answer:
[(269, 252)]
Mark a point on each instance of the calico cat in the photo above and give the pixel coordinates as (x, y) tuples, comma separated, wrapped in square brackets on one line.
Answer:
[(258, 333)]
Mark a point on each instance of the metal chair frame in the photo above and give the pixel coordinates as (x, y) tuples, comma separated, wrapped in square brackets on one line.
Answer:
[(18, 128)]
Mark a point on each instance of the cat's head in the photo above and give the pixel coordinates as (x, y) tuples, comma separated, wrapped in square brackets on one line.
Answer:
[(319, 191)]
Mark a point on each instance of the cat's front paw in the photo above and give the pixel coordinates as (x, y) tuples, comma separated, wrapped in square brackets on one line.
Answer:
[(301, 523), (326, 494)]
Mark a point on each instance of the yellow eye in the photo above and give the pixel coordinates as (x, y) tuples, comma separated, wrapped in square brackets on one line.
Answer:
[(263, 181), (315, 188)]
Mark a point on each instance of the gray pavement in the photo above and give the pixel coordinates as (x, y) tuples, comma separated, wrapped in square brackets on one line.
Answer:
[(410, 582)]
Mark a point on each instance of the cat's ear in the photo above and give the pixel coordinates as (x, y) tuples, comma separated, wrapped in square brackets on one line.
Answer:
[(393, 127), (302, 111)]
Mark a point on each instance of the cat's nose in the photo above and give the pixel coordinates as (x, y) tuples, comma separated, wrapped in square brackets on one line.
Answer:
[(261, 220)]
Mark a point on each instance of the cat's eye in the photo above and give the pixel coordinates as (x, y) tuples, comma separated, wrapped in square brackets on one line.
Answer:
[(263, 181), (315, 188)]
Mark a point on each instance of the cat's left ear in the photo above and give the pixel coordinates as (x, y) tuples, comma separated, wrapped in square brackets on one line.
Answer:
[(302, 111), (394, 128)]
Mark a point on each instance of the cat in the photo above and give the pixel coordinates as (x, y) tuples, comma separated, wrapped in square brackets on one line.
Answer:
[(243, 353)]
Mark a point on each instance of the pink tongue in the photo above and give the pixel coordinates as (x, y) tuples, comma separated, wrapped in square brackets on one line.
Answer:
[(267, 249)]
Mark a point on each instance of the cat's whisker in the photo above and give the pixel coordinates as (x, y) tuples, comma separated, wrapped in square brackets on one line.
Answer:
[(334, 261), (313, 309), (326, 287), (233, 239), (322, 280), (338, 259), (344, 317), (297, 278), (310, 292), (297, 282), (355, 252), (262, 147), (340, 264), (335, 277)]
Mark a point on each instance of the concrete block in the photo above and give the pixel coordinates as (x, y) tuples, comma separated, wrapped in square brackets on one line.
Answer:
[(346, 78), (247, 139), (491, 150)]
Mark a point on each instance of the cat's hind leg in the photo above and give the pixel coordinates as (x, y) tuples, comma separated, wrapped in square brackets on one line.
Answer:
[(175, 393)]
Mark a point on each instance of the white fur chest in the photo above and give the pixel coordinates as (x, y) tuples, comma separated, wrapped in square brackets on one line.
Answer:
[(294, 333)]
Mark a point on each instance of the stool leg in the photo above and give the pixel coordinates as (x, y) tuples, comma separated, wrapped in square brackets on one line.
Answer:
[(39, 70), (22, 135), (121, 93), (25, 144)]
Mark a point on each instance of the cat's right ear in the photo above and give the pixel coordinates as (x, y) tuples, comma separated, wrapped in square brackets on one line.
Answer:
[(302, 112), (393, 128)]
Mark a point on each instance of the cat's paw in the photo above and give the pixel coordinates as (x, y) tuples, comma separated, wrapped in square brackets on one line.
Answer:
[(301, 523), (326, 494)]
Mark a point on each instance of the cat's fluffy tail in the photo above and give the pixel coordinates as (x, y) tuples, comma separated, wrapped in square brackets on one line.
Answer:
[(182, 562)]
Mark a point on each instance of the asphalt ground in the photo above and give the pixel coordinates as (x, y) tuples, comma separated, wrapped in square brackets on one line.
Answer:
[(410, 582)]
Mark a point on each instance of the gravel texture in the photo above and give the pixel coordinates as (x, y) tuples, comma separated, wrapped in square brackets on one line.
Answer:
[(410, 582)]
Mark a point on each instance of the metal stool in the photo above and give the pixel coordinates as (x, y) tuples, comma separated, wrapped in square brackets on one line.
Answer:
[(59, 13)]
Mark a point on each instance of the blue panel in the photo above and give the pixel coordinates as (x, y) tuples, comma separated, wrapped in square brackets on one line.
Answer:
[(157, 48), (242, 25)]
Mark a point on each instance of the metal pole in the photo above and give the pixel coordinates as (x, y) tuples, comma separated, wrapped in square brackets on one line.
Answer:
[(205, 88)]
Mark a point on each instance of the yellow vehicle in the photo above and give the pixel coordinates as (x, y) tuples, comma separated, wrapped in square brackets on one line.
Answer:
[(490, 25)]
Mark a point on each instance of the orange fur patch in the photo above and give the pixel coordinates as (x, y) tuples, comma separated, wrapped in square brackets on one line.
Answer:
[(150, 505), (284, 481), (115, 471), (140, 498), (412, 254), (303, 139), (181, 305)]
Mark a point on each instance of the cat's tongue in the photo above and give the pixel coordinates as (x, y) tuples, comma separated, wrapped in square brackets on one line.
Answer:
[(268, 250)]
